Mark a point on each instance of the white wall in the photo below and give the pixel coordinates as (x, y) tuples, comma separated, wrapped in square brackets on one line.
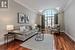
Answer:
[(69, 16), (9, 16), (19, 8), (61, 20), (38, 19)]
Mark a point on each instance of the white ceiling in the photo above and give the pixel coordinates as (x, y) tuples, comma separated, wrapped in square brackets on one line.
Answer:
[(39, 5)]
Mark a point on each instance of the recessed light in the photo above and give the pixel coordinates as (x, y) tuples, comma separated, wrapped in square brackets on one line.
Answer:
[(58, 8)]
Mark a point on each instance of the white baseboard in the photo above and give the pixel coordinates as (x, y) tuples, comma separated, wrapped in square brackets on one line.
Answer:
[(2, 41), (70, 36)]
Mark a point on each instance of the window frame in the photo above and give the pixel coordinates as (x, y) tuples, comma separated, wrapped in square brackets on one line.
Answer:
[(49, 16)]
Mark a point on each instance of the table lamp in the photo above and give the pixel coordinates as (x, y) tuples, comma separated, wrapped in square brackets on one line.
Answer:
[(10, 27), (35, 25)]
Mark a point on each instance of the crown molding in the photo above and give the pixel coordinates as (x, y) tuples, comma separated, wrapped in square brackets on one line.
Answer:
[(67, 5), (26, 6)]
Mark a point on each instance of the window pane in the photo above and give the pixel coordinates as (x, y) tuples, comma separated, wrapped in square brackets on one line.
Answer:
[(49, 17)]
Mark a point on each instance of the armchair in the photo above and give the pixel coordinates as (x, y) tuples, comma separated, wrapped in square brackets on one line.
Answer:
[(55, 29)]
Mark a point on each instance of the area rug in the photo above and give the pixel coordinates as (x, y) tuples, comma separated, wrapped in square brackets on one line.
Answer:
[(46, 44)]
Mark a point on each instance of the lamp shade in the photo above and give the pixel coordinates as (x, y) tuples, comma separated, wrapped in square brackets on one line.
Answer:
[(10, 27), (35, 25)]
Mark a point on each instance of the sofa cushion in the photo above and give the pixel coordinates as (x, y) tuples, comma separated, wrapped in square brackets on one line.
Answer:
[(24, 28)]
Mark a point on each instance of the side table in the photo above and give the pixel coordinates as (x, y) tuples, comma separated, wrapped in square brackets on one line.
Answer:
[(7, 37), (39, 36), (10, 35)]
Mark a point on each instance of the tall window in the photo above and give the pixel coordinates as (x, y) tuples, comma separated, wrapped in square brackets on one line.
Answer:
[(49, 17)]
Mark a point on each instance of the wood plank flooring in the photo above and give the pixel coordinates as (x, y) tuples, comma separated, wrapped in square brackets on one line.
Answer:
[(62, 42), (14, 45)]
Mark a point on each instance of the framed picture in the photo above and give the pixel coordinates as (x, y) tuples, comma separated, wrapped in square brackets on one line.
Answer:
[(3, 3), (22, 18)]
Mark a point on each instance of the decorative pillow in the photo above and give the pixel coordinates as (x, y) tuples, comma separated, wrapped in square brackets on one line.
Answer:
[(16, 27), (28, 28), (22, 28)]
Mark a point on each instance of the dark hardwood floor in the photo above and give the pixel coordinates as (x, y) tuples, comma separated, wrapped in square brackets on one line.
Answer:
[(14, 45), (62, 42)]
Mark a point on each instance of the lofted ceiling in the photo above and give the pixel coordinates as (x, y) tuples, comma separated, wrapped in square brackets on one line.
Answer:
[(39, 5)]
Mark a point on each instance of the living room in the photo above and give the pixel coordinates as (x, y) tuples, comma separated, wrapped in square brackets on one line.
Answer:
[(24, 16)]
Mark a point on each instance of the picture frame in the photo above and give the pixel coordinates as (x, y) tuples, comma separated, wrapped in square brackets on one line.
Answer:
[(4, 3), (22, 18)]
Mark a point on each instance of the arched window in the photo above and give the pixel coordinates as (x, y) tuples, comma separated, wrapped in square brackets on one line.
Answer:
[(49, 16)]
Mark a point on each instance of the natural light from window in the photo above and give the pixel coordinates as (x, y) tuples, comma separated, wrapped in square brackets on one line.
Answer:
[(49, 17)]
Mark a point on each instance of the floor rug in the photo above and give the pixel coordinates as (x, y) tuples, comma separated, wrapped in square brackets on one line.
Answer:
[(46, 44)]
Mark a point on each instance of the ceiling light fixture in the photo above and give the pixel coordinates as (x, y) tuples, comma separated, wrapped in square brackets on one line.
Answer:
[(58, 8)]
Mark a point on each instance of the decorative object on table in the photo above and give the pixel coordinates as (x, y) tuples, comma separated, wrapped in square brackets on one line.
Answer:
[(38, 26), (10, 27), (3, 3), (39, 36), (22, 18)]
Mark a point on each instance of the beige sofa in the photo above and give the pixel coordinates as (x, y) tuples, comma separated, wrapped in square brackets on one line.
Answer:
[(26, 32)]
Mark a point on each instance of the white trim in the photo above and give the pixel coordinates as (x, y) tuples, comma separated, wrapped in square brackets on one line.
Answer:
[(70, 36), (3, 41), (25, 6), (68, 4)]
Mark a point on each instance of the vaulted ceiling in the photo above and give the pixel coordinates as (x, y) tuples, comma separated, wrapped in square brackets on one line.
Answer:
[(39, 5)]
